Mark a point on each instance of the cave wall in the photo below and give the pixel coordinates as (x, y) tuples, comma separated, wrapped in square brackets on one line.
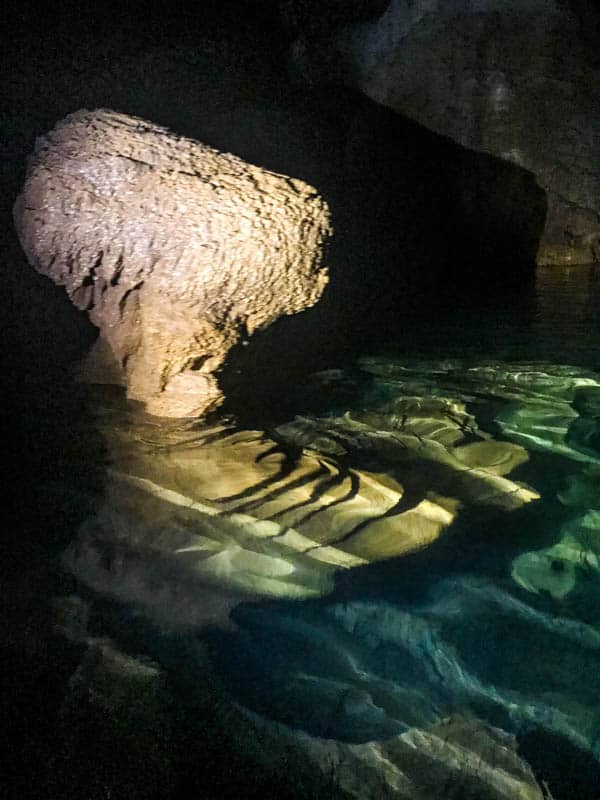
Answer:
[(519, 80)]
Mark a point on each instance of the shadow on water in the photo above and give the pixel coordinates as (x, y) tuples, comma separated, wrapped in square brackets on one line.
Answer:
[(53, 474), (571, 771), (426, 238)]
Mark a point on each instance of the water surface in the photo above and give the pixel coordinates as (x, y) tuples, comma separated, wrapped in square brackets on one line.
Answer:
[(426, 545)]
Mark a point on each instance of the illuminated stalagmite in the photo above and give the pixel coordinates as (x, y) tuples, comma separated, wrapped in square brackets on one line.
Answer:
[(176, 251)]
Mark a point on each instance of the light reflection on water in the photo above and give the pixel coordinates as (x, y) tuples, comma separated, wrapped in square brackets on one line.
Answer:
[(499, 616), (512, 633)]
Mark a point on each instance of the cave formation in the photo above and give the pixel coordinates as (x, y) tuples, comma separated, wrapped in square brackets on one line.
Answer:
[(440, 199), (174, 250)]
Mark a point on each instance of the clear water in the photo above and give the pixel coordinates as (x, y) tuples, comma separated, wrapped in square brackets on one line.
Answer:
[(500, 615)]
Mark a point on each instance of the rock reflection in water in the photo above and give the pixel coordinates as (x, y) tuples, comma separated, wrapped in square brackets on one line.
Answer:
[(198, 520), (256, 516)]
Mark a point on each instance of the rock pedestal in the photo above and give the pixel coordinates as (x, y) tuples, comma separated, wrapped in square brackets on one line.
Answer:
[(175, 250)]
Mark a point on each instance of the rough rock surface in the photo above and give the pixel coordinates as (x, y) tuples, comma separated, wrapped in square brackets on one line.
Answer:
[(176, 251), (454, 758), (515, 79)]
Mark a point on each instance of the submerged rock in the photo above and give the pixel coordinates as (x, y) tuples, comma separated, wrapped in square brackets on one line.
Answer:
[(573, 560), (427, 454), (457, 757), (564, 419), (546, 407), (582, 490), (385, 691), (368, 671), (176, 251)]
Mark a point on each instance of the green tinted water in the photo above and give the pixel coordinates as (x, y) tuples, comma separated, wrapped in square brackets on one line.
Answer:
[(477, 434), (502, 615)]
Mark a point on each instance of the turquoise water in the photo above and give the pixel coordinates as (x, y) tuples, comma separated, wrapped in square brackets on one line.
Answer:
[(486, 415), (501, 616)]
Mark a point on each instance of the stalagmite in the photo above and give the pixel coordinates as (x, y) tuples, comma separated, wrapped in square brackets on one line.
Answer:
[(175, 250)]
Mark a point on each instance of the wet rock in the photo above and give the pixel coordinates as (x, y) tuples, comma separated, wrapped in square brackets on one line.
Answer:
[(176, 251), (517, 80), (458, 757), (566, 565), (365, 671)]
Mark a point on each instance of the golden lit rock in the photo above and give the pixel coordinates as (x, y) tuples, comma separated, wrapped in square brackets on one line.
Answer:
[(175, 250)]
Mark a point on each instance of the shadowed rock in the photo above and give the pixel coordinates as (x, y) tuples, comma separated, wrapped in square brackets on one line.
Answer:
[(175, 250), (514, 79), (457, 757)]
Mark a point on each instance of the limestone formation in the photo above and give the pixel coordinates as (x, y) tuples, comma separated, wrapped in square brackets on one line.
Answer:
[(515, 79), (176, 251)]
